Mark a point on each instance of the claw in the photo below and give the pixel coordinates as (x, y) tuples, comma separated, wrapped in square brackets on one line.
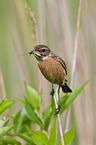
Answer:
[(57, 110), (52, 92)]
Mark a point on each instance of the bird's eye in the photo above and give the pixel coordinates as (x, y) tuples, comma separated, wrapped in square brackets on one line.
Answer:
[(43, 50)]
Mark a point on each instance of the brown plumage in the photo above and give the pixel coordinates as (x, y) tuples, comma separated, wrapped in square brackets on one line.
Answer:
[(52, 66), (52, 70)]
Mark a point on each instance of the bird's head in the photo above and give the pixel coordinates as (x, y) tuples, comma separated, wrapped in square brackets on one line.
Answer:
[(41, 52)]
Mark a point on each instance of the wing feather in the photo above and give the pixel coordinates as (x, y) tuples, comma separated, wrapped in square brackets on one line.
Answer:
[(61, 61)]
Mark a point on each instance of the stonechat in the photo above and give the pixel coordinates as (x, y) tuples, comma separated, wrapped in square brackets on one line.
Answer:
[(53, 68)]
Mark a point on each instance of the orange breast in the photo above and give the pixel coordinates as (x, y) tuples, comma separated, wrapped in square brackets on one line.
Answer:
[(52, 70)]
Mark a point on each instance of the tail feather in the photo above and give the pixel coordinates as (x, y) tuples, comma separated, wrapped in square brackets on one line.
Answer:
[(65, 88)]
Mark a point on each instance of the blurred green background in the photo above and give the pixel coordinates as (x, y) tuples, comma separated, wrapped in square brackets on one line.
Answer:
[(56, 26)]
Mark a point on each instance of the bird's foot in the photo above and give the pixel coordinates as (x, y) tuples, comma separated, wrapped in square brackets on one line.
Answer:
[(57, 110), (52, 92)]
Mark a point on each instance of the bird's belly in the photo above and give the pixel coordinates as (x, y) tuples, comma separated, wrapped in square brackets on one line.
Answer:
[(52, 70)]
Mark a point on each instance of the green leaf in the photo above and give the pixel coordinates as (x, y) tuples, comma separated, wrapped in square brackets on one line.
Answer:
[(47, 120), (10, 141), (3, 123), (32, 95), (39, 138), (46, 111), (68, 136), (19, 99), (26, 137), (66, 100), (1, 101), (5, 130), (6, 104), (20, 120), (69, 97), (47, 115), (31, 113), (10, 134), (6, 122), (52, 138)]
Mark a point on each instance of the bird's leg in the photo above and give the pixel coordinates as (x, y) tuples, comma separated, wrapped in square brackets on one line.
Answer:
[(57, 110), (52, 92)]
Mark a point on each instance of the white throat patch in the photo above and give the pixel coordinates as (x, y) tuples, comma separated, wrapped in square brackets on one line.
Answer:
[(45, 57)]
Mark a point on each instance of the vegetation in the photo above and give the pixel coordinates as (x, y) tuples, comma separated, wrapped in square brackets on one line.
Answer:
[(29, 115), (26, 109)]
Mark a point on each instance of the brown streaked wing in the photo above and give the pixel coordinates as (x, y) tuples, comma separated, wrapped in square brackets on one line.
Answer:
[(61, 61)]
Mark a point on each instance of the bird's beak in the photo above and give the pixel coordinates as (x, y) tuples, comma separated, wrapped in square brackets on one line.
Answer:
[(34, 52), (31, 52)]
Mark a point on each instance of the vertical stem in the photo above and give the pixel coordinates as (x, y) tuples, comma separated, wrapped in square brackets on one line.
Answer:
[(60, 127), (76, 44), (2, 85), (3, 90), (41, 40), (42, 36), (40, 6), (74, 62)]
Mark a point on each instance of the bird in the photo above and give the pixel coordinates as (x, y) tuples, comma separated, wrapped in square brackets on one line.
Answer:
[(53, 69)]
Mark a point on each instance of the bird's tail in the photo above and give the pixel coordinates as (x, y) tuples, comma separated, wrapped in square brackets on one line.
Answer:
[(65, 88)]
